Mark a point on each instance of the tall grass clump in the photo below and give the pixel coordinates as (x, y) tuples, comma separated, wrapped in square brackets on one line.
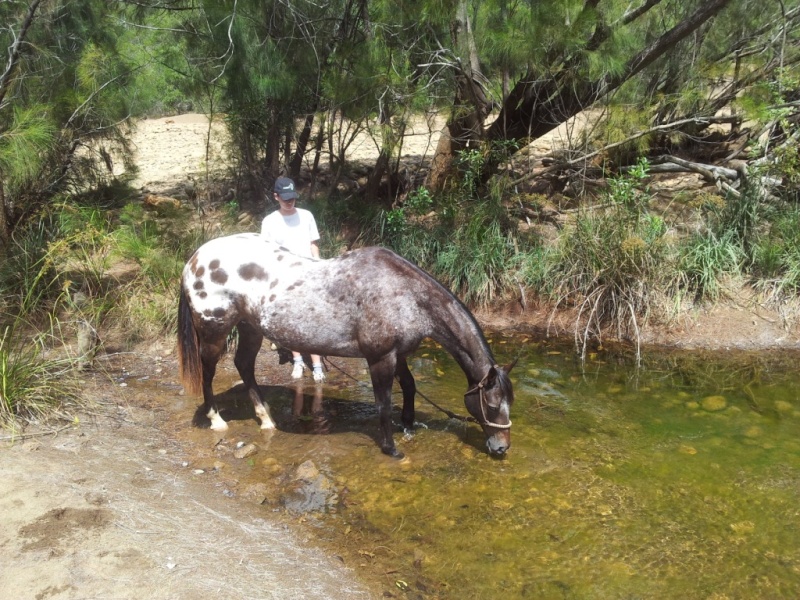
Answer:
[(776, 259), (475, 259), (611, 264), (464, 237), (32, 385), (27, 272), (159, 248), (723, 248), (704, 260)]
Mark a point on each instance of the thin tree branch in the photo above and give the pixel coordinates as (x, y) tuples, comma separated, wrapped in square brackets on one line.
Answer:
[(13, 51)]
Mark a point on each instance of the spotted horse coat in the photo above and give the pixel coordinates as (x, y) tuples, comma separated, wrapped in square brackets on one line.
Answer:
[(368, 303)]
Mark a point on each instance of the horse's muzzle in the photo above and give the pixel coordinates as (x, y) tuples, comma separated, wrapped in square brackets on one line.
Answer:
[(498, 444)]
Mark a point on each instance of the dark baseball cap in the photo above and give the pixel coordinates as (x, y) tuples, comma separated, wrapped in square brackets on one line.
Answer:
[(284, 187)]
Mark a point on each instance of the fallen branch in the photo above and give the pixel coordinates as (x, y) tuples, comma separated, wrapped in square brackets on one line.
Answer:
[(673, 164), (25, 436)]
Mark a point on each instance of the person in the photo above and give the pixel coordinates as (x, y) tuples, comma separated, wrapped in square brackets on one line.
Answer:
[(296, 230)]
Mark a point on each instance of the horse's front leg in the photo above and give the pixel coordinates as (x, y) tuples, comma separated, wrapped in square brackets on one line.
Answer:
[(382, 374), (247, 349), (409, 387)]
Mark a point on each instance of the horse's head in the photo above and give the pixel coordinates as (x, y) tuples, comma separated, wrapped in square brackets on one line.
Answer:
[(489, 402)]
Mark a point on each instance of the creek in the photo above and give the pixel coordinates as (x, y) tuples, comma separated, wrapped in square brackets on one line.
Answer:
[(679, 478)]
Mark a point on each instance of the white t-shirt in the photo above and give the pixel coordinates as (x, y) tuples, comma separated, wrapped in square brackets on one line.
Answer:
[(295, 232)]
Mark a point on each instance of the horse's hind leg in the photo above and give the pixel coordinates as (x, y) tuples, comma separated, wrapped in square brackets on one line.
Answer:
[(249, 344), (210, 351), (409, 387)]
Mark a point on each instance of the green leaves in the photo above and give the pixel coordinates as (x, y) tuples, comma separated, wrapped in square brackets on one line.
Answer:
[(24, 145)]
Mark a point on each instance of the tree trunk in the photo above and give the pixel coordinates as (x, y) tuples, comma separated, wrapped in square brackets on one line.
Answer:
[(535, 107), (470, 105), (300, 151), (388, 144)]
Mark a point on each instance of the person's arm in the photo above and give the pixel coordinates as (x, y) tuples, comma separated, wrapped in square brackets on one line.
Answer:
[(315, 249)]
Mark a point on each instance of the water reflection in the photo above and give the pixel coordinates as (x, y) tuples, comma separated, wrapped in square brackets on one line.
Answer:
[(308, 412), (679, 479)]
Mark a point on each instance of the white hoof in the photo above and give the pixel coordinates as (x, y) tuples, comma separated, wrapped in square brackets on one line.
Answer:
[(266, 419), (217, 422)]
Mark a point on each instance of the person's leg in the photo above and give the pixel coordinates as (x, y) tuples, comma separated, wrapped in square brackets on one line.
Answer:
[(297, 370), (316, 363)]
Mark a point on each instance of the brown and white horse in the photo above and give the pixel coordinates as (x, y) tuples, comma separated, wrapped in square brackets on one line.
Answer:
[(367, 303)]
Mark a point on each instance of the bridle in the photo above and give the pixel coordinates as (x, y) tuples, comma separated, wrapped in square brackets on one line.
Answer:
[(482, 402)]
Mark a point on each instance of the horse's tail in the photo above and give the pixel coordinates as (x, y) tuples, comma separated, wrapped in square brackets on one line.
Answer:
[(188, 348)]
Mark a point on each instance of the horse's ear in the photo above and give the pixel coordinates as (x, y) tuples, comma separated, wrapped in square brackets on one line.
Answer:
[(507, 368)]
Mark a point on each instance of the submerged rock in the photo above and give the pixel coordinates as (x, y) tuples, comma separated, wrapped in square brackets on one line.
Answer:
[(714, 403), (245, 451), (309, 490)]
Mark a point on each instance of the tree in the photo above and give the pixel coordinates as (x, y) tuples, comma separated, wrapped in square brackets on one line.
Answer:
[(548, 93), (63, 88)]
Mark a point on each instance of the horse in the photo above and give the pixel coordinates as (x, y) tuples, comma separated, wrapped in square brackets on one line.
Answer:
[(368, 303)]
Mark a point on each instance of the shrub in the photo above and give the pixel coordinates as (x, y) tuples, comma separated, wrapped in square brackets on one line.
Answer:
[(31, 385), (612, 262), (703, 260)]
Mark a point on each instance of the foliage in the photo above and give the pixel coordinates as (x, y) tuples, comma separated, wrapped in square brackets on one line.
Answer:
[(32, 386), (69, 93), (612, 262), (776, 262), (704, 260)]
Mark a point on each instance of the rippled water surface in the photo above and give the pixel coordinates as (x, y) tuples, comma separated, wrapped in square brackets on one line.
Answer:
[(680, 479)]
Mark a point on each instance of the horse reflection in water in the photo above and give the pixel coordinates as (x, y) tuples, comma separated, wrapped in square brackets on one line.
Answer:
[(367, 303)]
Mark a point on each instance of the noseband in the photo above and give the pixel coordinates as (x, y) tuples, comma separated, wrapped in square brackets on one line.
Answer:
[(480, 388)]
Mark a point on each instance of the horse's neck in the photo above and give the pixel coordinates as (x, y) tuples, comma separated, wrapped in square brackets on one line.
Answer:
[(461, 337)]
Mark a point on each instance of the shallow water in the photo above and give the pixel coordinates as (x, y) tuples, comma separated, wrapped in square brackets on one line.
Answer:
[(679, 479)]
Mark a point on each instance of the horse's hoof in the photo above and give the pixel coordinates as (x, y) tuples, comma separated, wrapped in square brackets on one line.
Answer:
[(393, 452)]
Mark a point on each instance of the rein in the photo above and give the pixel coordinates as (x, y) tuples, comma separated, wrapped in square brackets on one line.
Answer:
[(450, 414)]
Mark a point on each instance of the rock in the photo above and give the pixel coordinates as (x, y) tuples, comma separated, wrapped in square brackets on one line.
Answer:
[(160, 203), (245, 451), (308, 471), (309, 490), (87, 344), (713, 403)]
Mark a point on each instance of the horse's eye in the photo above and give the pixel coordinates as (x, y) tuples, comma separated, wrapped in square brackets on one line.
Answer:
[(492, 403)]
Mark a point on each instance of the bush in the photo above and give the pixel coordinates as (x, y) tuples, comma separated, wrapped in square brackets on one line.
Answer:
[(776, 258), (31, 386), (704, 259), (613, 262)]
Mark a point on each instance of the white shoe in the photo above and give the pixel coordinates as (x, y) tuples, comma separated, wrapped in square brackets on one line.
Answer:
[(319, 374), (297, 371)]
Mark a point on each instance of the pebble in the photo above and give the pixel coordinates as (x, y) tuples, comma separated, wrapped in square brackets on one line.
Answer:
[(713, 403), (245, 451)]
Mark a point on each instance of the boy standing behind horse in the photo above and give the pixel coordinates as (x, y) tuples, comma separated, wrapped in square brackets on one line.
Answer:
[(296, 230)]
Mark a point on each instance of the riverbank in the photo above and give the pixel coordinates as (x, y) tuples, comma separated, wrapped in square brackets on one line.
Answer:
[(113, 506)]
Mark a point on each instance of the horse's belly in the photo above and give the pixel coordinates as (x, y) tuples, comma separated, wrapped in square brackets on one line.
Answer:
[(303, 333)]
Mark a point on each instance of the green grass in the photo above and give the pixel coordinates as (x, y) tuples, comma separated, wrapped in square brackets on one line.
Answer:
[(32, 386), (610, 265), (703, 262)]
